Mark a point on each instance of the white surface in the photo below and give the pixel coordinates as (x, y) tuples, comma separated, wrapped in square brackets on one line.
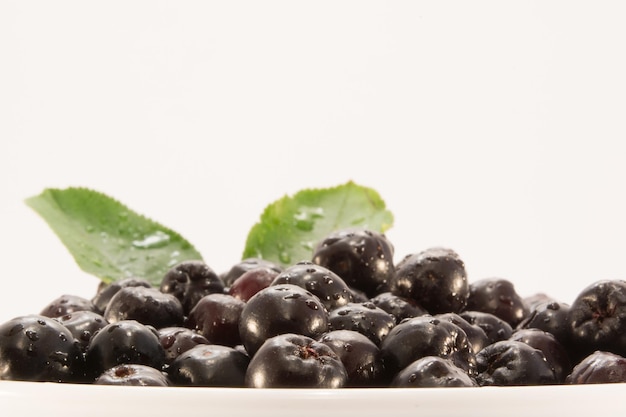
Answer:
[(493, 128), (33, 399)]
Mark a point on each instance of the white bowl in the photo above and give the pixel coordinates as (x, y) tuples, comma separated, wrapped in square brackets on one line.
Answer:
[(36, 399)]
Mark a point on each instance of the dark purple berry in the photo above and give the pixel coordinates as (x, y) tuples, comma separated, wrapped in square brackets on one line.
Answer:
[(251, 282), (295, 361), (248, 264), (599, 368), (145, 305), (421, 336), (359, 355), (554, 352), (362, 258), (365, 318), (510, 363), (209, 366), (189, 281), (39, 348), (281, 309), (177, 340), (399, 307), (66, 304), (494, 327), (332, 291), (597, 319), (435, 279), (133, 375), (216, 317), (107, 291), (83, 325), (497, 296), (432, 372), (124, 342), (475, 334), (551, 317)]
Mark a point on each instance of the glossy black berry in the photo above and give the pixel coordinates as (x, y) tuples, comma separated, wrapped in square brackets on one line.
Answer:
[(67, 303), (599, 368), (475, 334), (107, 291), (178, 340), (145, 305), (551, 317), (497, 296), (295, 361), (511, 363), (134, 376), (422, 336), (365, 318), (229, 277), (494, 327), (83, 325), (216, 317), (332, 291), (251, 282), (280, 309), (39, 348), (189, 281), (399, 307), (124, 342), (435, 279), (432, 372), (359, 355), (362, 258), (597, 319), (209, 366), (555, 353)]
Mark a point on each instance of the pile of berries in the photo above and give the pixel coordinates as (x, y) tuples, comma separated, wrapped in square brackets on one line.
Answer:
[(348, 317)]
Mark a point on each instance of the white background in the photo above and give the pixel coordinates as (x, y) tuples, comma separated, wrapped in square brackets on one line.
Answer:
[(494, 128)]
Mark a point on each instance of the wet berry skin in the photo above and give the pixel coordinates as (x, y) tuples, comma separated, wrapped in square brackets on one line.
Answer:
[(497, 296), (133, 375), (251, 282), (216, 317), (597, 319), (365, 318), (124, 342), (435, 279), (238, 269), (332, 291), (359, 355), (494, 327), (107, 291), (551, 317), (145, 305), (513, 363), (555, 353), (67, 303), (362, 258), (83, 325), (295, 361), (599, 368), (209, 366), (178, 340), (432, 372), (422, 336), (477, 337), (39, 348), (399, 307), (189, 281), (280, 309)]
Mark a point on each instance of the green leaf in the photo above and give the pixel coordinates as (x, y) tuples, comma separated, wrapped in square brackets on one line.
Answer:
[(109, 240), (291, 227)]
